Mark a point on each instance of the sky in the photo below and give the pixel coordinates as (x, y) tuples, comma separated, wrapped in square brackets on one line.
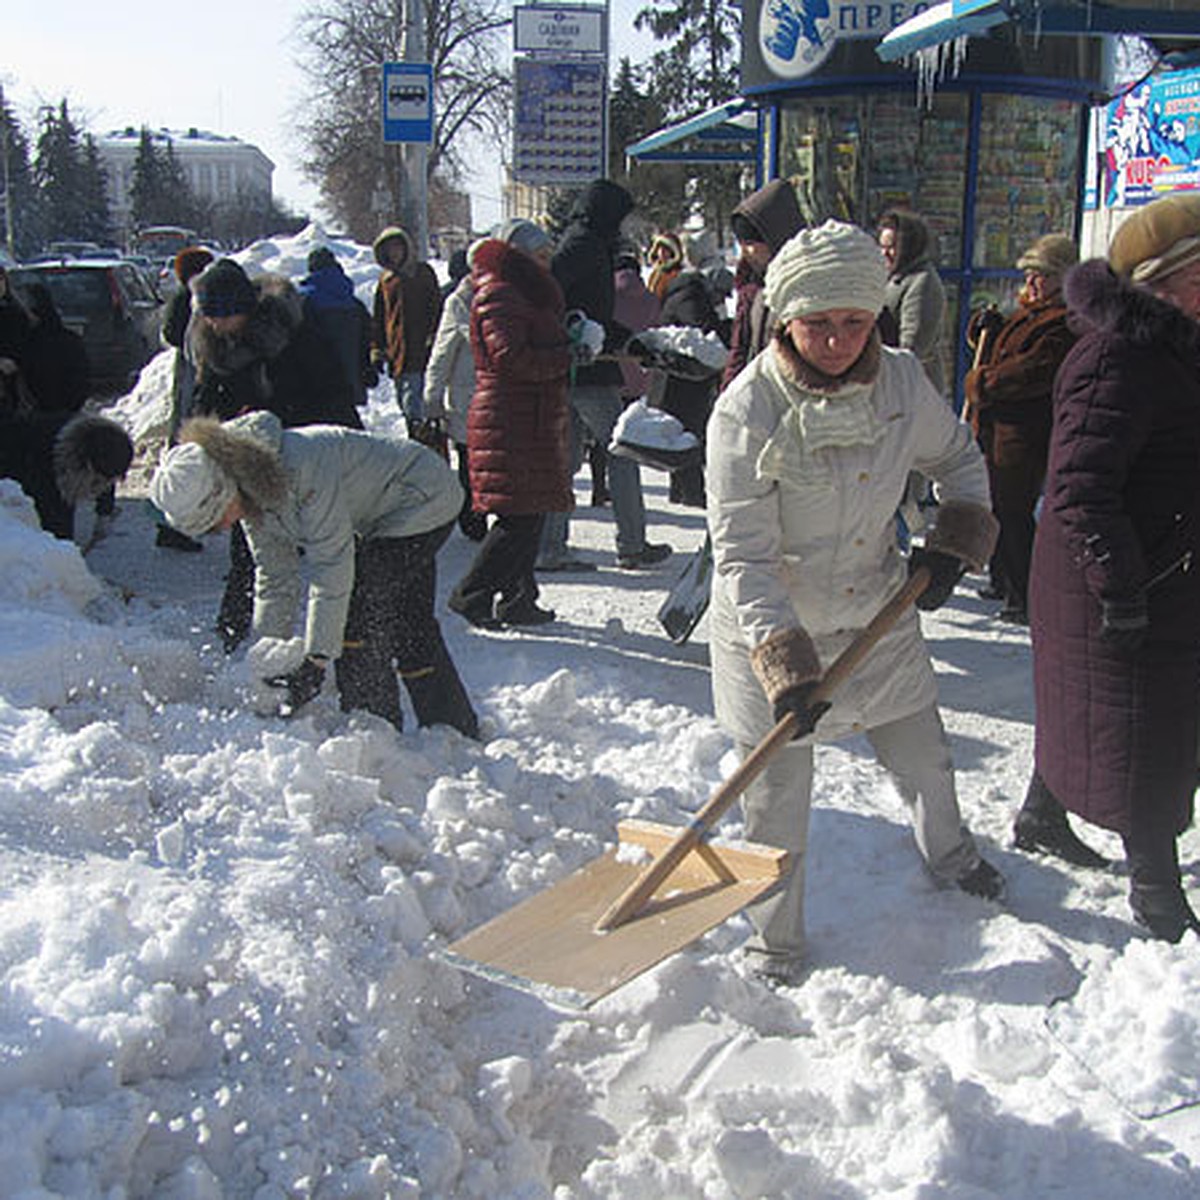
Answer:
[(221, 933), (226, 66)]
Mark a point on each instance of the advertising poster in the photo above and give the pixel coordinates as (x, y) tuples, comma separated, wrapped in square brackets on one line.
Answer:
[(1152, 140)]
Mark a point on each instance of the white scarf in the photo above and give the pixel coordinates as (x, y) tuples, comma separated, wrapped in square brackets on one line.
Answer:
[(815, 421)]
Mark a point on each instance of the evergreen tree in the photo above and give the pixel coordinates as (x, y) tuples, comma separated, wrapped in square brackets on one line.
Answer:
[(696, 70), (658, 188), (147, 186), (20, 203), (59, 172), (96, 215)]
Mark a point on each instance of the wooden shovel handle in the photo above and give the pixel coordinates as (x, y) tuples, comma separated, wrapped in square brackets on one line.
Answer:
[(630, 902)]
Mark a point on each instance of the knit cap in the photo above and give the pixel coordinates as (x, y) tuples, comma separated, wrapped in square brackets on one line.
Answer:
[(190, 490), (1053, 254), (224, 290), (833, 266), (524, 235), (1157, 239)]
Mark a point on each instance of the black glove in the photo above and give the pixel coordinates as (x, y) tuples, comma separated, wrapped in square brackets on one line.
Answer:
[(1124, 623), (302, 684), (796, 700), (945, 570)]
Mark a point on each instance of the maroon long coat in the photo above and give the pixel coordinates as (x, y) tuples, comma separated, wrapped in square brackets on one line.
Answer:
[(1116, 733), (518, 431)]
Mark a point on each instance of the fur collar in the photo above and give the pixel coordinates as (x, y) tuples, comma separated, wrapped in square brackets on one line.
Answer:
[(272, 324), (805, 376), (1098, 299)]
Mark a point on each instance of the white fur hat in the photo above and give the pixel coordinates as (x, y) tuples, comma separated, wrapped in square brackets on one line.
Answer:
[(190, 490), (833, 266)]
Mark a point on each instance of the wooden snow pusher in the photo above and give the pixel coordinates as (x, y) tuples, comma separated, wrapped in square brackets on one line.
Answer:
[(660, 888)]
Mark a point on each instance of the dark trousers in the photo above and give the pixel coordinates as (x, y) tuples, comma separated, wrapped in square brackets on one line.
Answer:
[(237, 602), (391, 628), (503, 567), (1015, 490)]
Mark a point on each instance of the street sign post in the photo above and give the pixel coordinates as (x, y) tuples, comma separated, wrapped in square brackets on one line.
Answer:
[(408, 102)]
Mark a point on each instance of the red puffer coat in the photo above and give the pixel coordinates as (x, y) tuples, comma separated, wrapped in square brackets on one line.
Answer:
[(1116, 731), (518, 431)]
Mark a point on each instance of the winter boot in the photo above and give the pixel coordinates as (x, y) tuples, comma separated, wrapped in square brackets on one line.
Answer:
[(1042, 827), (1156, 894)]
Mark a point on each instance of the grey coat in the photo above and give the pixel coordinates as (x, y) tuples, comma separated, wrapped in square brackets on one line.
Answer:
[(317, 489), (916, 299)]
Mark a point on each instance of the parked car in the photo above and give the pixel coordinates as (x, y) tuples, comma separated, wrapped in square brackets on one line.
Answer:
[(111, 305)]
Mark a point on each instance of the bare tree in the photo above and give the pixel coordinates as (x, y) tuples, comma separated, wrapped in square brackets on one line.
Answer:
[(345, 44)]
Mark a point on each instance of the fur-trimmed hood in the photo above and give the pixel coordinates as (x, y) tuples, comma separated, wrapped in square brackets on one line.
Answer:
[(247, 450), (1099, 299), (497, 261), (277, 316), (395, 233)]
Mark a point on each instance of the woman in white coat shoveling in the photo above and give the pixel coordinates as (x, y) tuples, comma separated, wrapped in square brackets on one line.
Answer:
[(808, 454)]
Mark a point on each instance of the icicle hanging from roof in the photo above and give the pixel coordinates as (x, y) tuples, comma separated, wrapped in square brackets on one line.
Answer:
[(931, 64)]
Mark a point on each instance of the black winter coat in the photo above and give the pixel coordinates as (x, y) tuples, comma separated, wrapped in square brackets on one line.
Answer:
[(1116, 732), (583, 264), (280, 361)]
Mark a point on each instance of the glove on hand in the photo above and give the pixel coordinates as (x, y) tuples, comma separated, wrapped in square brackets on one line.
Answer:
[(1124, 623), (945, 570), (796, 700), (302, 684)]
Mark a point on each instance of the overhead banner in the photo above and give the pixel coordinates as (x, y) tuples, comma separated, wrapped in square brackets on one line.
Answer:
[(1152, 141)]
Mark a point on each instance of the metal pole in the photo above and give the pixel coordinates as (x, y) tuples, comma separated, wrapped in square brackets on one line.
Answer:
[(416, 155)]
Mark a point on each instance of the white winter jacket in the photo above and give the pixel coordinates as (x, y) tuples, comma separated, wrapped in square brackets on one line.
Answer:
[(802, 516), (450, 373), (342, 485)]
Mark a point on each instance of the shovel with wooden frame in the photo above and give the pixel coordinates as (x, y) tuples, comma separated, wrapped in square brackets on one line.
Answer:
[(620, 915)]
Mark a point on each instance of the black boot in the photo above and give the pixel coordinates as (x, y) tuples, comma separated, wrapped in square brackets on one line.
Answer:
[(1163, 910), (1042, 827), (1156, 893)]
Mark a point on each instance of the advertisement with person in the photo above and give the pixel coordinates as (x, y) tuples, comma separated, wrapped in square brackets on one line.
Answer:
[(1152, 140)]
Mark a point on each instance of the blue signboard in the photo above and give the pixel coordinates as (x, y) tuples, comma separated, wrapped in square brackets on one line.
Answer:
[(558, 135), (407, 102)]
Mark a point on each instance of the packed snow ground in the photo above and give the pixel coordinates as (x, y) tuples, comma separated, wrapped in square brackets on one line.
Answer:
[(216, 928)]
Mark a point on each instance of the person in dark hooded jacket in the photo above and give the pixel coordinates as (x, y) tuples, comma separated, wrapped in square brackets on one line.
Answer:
[(761, 223), (330, 303), (56, 361), (1114, 589), (584, 265), (691, 301), (253, 349)]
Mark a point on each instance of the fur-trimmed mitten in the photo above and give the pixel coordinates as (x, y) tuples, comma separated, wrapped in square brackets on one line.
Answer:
[(788, 668)]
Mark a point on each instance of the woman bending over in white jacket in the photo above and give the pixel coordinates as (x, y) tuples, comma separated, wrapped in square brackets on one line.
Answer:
[(808, 454), (353, 519)]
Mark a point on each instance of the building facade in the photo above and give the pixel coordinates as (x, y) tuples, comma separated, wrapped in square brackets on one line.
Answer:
[(219, 169)]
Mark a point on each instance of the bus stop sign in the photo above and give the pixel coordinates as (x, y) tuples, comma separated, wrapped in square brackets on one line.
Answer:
[(407, 102)]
